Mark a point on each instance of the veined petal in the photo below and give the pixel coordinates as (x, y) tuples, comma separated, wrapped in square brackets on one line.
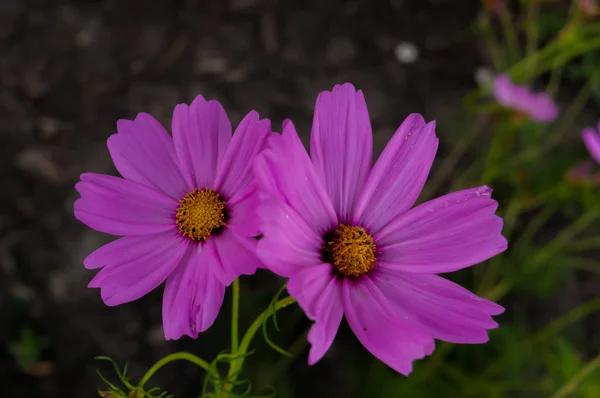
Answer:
[(374, 321), (121, 207), (288, 242), (143, 152), (319, 294), (235, 172), (284, 170), (201, 133), (399, 174), (243, 217), (192, 297), (444, 234), (237, 255), (145, 264), (441, 308), (341, 145)]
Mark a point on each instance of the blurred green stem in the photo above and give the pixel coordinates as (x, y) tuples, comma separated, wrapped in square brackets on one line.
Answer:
[(491, 42), (572, 384), (510, 35), (236, 364), (174, 357), (235, 308)]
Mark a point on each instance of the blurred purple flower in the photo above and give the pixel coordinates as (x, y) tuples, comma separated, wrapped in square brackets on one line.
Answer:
[(344, 234), (537, 106), (185, 207), (580, 172), (591, 139), (497, 6)]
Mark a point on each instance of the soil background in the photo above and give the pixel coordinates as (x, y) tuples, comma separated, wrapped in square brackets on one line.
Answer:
[(70, 69)]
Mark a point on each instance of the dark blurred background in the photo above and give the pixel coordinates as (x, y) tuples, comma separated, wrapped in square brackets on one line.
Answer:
[(70, 69)]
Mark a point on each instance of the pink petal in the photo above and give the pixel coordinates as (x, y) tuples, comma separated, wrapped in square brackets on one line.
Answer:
[(439, 307), (237, 256), (341, 145), (201, 133), (121, 207), (504, 90), (235, 171), (285, 171), (288, 242), (143, 152), (442, 235), (243, 218), (399, 174), (192, 297), (542, 108), (591, 139), (373, 319), (318, 293), (136, 265)]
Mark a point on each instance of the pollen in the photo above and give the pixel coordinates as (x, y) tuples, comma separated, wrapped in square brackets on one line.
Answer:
[(351, 251), (200, 214)]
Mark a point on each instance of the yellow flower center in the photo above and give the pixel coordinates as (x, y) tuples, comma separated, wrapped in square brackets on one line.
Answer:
[(200, 213), (350, 250)]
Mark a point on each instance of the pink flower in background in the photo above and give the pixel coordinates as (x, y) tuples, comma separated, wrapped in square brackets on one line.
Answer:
[(185, 208), (591, 139), (345, 235), (537, 106)]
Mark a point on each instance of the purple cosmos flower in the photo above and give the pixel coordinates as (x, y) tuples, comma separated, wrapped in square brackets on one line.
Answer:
[(591, 139), (344, 234), (185, 209), (538, 106)]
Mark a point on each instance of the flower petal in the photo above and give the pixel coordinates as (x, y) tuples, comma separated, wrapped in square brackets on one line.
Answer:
[(235, 171), (399, 174), (121, 207), (243, 218), (341, 145), (449, 233), (192, 297), (372, 318), (284, 170), (591, 139), (288, 241), (201, 133), (441, 308), (318, 293), (143, 152), (144, 264), (237, 255)]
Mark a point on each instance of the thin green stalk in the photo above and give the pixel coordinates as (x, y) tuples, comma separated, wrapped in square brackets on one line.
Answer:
[(584, 244), (491, 42), (550, 330), (531, 31), (174, 357), (572, 384), (510, 34), (235, 309), (237, 363), (564, 237)]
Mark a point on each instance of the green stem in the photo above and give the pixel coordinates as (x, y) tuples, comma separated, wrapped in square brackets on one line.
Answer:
[(572, 384), (510, 35), (237, 363), (174, 357), (235, 309)]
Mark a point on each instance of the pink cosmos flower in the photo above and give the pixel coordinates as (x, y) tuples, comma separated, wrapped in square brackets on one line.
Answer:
[(344, 234), (185, 208), (591, 139), (537, 106)]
